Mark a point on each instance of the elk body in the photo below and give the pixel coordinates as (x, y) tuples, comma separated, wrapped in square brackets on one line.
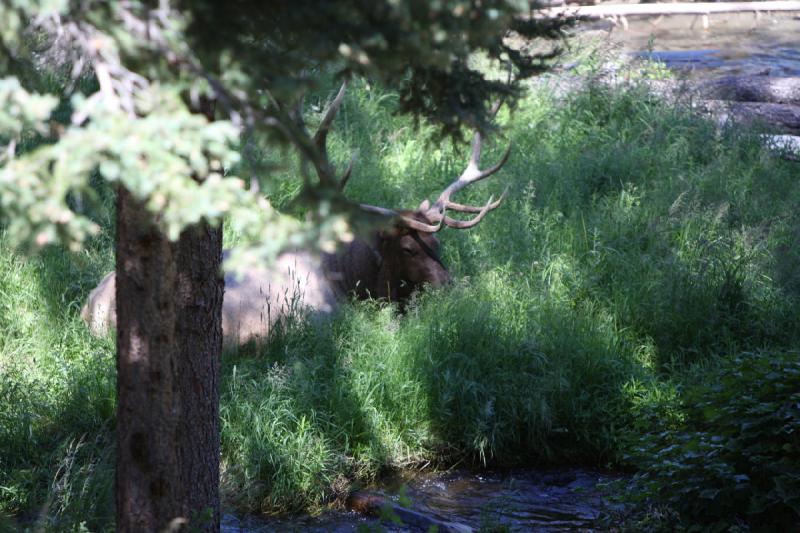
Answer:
[(390, 263)]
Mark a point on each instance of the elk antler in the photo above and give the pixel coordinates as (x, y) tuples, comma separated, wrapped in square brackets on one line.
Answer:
[(407, 221), (471, 174), (437, 212), (321, 136), (320, 141)]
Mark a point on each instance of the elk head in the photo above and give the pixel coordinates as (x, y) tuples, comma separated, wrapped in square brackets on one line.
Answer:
[(411, 248), (406, 254), (409, 258)]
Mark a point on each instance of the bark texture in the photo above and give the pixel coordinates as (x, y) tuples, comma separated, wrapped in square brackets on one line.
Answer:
[(148, 406), (199, 329), (169, 338)]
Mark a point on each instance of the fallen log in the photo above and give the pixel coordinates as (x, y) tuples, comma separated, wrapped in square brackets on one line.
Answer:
[(787, 146), (752, 89), (677, 8), (779, 118), (771, 102)]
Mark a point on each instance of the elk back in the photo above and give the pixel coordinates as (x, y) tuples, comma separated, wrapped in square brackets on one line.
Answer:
[(253, 302)]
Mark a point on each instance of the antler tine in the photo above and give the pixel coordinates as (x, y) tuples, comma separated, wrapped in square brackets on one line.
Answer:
[(461, 208), (477, 141), (472, 173), (496, 106), (297, 113), (407, 221), (321, 136), (482, 211), (464, 224), (348, 170)]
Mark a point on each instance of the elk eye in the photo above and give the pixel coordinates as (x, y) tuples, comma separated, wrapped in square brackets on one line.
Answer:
[(409, 252)]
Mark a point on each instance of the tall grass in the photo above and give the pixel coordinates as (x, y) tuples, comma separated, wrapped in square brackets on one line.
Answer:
[(57, 395), (636, 240)]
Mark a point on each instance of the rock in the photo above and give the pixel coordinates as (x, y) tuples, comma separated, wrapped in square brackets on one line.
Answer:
[(372, 504), (788, 146)]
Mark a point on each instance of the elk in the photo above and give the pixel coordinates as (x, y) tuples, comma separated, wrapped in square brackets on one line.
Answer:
[(391, 262)]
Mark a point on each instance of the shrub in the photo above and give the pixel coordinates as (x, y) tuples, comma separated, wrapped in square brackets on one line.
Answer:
[(736, 460)]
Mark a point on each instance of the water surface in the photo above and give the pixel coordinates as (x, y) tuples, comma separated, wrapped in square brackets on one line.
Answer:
[(734, 44), (552, 500)]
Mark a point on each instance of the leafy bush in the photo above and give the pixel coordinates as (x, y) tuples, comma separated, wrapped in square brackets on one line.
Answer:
[(736, 461)]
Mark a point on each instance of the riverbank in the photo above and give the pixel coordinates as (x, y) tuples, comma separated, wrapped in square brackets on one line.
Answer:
[(637, 248)]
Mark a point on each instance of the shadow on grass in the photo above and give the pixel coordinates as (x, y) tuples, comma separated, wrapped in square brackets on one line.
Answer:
[(524, 381), (462, 376), (294, 434)]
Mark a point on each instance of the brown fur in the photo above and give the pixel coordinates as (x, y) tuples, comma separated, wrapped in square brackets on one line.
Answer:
[(395, 263)]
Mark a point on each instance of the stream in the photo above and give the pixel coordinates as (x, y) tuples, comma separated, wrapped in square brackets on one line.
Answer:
[(520, 500), (565, 499), (734, 44)]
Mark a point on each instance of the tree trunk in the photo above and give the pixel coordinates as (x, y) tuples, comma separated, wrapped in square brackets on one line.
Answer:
[(169, 338), (148, 406), (200, 288)]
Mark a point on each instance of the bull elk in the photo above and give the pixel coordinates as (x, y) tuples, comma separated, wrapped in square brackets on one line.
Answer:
[(390, 263)]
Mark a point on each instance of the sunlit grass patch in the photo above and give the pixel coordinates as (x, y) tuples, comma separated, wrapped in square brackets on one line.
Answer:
[(57, 398)]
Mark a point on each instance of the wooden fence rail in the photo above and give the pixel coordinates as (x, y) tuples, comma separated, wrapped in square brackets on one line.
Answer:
[(704, 9)]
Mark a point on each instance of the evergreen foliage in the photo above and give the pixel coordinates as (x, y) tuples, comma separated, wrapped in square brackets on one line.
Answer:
[(154, 64)]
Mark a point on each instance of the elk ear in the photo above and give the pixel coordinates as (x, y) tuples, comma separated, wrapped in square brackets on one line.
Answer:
[(385, 234), (425, 205), (386, 237)]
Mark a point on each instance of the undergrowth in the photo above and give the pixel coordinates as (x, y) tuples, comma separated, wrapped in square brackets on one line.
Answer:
[(734, 464), (636, 242)]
